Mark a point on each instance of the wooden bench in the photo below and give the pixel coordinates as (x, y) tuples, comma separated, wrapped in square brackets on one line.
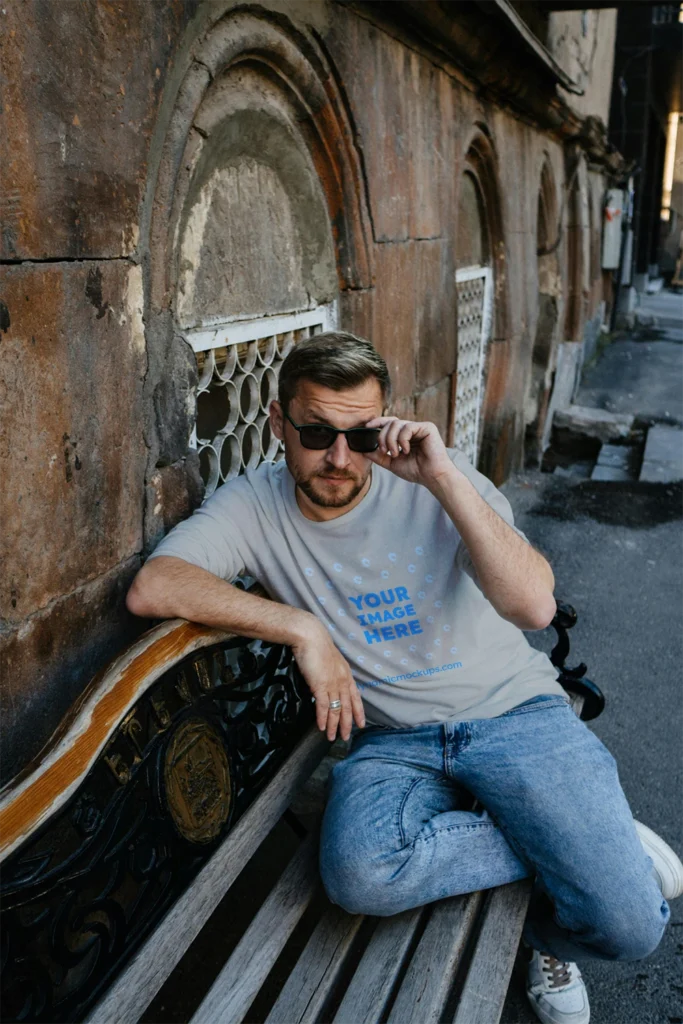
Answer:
[(148, 803)]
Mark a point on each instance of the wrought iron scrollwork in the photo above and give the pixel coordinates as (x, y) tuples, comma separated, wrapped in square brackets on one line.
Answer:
[(86, 889)]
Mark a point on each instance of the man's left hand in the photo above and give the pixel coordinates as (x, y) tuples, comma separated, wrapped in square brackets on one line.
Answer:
[(413, 451)]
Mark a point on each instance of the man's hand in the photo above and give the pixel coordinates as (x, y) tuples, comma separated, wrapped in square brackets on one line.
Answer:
[(167, 587), (515, 578), (328, 676), (413, 451)]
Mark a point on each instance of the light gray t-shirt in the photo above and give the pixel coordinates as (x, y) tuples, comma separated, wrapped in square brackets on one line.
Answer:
[(392, 581)]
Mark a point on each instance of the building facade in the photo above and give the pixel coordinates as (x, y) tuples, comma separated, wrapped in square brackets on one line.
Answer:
[(188, 188)]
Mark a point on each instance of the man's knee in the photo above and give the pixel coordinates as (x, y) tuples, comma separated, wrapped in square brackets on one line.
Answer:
[(356, 884), (632, 936), (362, 878)]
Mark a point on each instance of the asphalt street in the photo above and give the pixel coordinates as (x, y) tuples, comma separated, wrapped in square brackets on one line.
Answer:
[(616, 550)]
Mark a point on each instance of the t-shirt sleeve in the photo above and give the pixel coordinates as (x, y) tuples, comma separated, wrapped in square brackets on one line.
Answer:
[(213, 537)]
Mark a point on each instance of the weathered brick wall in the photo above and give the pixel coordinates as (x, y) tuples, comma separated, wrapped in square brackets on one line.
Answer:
[(97, 387)]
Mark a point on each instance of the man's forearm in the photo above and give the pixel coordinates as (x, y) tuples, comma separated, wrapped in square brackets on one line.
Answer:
[(515, 578), (169, 587)]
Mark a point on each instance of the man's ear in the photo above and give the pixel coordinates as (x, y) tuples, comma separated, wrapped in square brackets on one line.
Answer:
[(277, 422)]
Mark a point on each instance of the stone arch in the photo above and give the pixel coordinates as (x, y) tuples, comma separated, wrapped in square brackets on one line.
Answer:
[(480, 163), (577, 247), (481, 160), (548, 313), (256, 206), (289, 65)]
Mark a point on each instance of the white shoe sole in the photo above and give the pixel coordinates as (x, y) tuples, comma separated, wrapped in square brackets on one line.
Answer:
[(667, 864), (583, 1017)]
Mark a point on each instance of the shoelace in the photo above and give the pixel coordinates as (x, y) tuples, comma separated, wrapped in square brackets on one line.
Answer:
[(558, 971)]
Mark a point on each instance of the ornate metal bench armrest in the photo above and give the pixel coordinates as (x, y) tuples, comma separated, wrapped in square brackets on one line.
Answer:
[(574, 679), (165, 751)]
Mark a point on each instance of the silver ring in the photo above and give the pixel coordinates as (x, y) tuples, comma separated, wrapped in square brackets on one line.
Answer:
[(334, 704)]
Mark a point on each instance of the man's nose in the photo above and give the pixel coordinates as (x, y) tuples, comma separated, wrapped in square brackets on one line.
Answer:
[(338, 454)]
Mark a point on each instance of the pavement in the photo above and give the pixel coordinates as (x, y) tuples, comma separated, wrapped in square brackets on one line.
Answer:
[(616, 548)]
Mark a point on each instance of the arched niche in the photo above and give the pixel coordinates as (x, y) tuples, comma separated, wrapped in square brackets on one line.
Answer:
[(549, 298), (246, 62), (253, 231), (256, 219), (483, 343)]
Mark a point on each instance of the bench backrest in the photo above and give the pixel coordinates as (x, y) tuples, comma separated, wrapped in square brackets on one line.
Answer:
[(131, 800)]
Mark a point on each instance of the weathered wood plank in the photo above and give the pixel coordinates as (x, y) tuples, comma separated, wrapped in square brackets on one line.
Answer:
[(381, 966), (483, 994), (42, 788), (429, 978), (306, 991), (244, 972), (146, 973)]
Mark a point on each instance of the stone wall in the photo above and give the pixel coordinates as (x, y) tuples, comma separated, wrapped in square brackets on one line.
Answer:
[(582, 42), (128, 129)]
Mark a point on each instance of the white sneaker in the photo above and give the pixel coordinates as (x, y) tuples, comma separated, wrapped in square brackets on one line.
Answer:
[(556, 990), (667, 865)]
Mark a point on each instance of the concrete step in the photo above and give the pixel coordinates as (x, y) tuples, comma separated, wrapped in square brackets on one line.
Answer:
[(597, 423), (578, 470), (663, 458), (609, 473), (614, 463)]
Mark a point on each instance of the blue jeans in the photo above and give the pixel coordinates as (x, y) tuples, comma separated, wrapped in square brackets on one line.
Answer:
[(397, 832)]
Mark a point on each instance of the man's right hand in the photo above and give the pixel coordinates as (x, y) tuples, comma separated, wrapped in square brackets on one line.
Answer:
[(328, 676), (167, 587)]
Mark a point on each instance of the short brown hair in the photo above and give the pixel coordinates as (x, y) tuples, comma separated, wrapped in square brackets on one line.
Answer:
[(335, 360)]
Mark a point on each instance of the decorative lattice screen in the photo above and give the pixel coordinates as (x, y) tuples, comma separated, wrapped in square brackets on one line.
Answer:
[(238, 367), (474, 287)]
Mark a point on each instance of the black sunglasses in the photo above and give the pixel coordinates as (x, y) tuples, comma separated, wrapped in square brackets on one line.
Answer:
[(318, 436)]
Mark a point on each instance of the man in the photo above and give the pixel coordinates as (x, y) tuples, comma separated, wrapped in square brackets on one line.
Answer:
[(402, 586)]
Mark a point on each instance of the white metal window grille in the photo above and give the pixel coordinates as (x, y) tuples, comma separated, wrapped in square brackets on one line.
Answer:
[(238, 364), (474, 286)]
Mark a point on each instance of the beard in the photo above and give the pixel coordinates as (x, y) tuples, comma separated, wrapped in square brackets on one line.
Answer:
[(326, 495)]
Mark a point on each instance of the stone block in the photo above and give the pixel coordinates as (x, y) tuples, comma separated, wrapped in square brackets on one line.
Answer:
[(616, 456), (356, 312), (72, 450), (598, 423), (663, 458), (46, 662), (577, 471), (414, 326), (567, 376), (403, 407), (403, 111), (82, 85), (433, 404), (609, 473), (173, 493)]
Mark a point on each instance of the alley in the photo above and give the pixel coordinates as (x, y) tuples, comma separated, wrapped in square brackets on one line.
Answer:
[(615, 547)]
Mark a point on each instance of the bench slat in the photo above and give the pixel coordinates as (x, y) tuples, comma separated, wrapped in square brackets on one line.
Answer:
[(247, 968), (135, 987), (317, 970), (483, 994), (374, 979), (429, 977)]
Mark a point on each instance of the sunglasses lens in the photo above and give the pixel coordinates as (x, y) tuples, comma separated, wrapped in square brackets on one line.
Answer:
[(317, 437), (363, 440)]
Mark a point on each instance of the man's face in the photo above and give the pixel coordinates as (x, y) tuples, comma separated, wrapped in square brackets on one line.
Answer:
[(335, 479)]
